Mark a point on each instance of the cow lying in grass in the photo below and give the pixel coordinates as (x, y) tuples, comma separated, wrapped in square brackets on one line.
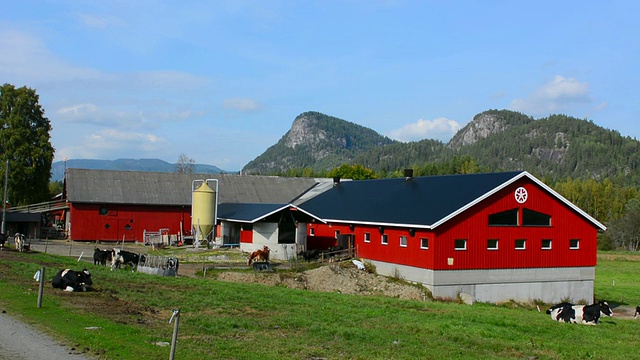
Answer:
[(583, 314), (69, 280)]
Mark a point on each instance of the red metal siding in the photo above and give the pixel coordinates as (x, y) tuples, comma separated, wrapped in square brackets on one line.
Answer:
[(246, 236), (473, 226), (128, 222), (324, 235)]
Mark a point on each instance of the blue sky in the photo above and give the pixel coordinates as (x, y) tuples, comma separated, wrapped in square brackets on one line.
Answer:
[(221, 81)]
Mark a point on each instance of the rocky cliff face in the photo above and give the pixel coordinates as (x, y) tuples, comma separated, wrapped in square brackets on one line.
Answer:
[(482, 126), (316, 141)]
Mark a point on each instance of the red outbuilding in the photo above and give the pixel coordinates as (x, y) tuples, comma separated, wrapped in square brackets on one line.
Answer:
[(485, 237), (106, 205)]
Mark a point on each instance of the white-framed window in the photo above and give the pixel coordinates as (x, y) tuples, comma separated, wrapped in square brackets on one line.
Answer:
[(546, 244), (312, 232), (337, 233), (521, 244), (574, 244), (403, 241), (461, 244), (367, 237), (492, 244), (424, 243), (384, 239)]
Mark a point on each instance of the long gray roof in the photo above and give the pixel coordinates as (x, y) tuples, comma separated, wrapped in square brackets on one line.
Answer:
[(154, 188)]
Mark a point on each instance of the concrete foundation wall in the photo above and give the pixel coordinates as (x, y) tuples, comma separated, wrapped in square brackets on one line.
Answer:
[(550, 285)]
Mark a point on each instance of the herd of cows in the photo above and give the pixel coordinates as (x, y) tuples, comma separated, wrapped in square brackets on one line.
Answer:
[(70, 280)]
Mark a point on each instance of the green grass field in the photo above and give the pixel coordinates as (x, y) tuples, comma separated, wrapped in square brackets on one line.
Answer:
[(127, 316)]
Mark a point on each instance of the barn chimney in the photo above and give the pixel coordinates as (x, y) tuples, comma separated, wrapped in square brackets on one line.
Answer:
[(336, 180), (408, 174)]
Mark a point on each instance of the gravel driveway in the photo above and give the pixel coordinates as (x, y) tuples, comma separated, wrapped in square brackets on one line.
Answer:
[(19, 341)]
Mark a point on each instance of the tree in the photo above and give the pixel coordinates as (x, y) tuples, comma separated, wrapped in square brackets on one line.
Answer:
[(25, 143), (354, 172), (185, 165)]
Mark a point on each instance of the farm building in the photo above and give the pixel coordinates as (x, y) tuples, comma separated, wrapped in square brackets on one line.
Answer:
[(109, 205), (491, 237)]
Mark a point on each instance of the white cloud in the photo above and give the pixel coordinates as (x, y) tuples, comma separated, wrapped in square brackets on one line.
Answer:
[(558, 95), (246, 105), (114, 143), (439, 129)]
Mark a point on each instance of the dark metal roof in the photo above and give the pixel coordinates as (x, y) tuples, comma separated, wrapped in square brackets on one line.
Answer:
[(422, 202), (247, 212), (22, 216), (154, 188)]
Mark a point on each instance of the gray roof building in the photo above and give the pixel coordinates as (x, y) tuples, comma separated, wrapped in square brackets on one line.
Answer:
[(154, 188)]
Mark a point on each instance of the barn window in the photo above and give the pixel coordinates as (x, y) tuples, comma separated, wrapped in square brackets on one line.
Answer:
[(461, 244), (127, 227), (534, 218), (403, 241), (385, 239), (367, 237), (546, 244), (521, 244), (492, 244), (424, 243), (574, 244), (103, 210), (505, 218), (312, 232), (337, 233)]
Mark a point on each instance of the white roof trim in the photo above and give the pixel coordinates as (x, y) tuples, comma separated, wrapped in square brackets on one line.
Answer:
[(271, 213), (507, 183)]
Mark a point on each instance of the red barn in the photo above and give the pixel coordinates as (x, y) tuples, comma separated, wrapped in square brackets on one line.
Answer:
[(110, 205), (490, 237)]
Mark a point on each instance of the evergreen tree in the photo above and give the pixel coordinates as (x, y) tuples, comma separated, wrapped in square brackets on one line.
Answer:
[(25, 143)]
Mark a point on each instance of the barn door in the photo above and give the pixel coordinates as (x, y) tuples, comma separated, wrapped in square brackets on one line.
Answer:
[(286, 229)]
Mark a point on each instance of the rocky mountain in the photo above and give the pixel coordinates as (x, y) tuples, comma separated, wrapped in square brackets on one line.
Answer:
[(152, 165), (316, 141), (556, 147), (486, 124)]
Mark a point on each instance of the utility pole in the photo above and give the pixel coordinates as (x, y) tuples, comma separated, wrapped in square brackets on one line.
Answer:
[(4, 198)]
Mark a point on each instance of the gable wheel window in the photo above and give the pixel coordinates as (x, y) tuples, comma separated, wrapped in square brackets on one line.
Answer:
[(521, 195)]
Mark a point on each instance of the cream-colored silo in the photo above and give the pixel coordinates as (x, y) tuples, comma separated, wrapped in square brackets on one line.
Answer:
[(204, 204)]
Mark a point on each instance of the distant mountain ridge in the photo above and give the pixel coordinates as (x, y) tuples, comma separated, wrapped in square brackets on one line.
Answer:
[(556, 147), (151, 165)]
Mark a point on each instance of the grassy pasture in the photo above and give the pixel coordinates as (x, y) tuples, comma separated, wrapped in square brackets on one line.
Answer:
[(128, 315)]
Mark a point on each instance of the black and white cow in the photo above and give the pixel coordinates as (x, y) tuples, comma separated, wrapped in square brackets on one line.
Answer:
[(69, 280), (123, 257), (101, 256), (583, 314), (635, 316), (3, 239)]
